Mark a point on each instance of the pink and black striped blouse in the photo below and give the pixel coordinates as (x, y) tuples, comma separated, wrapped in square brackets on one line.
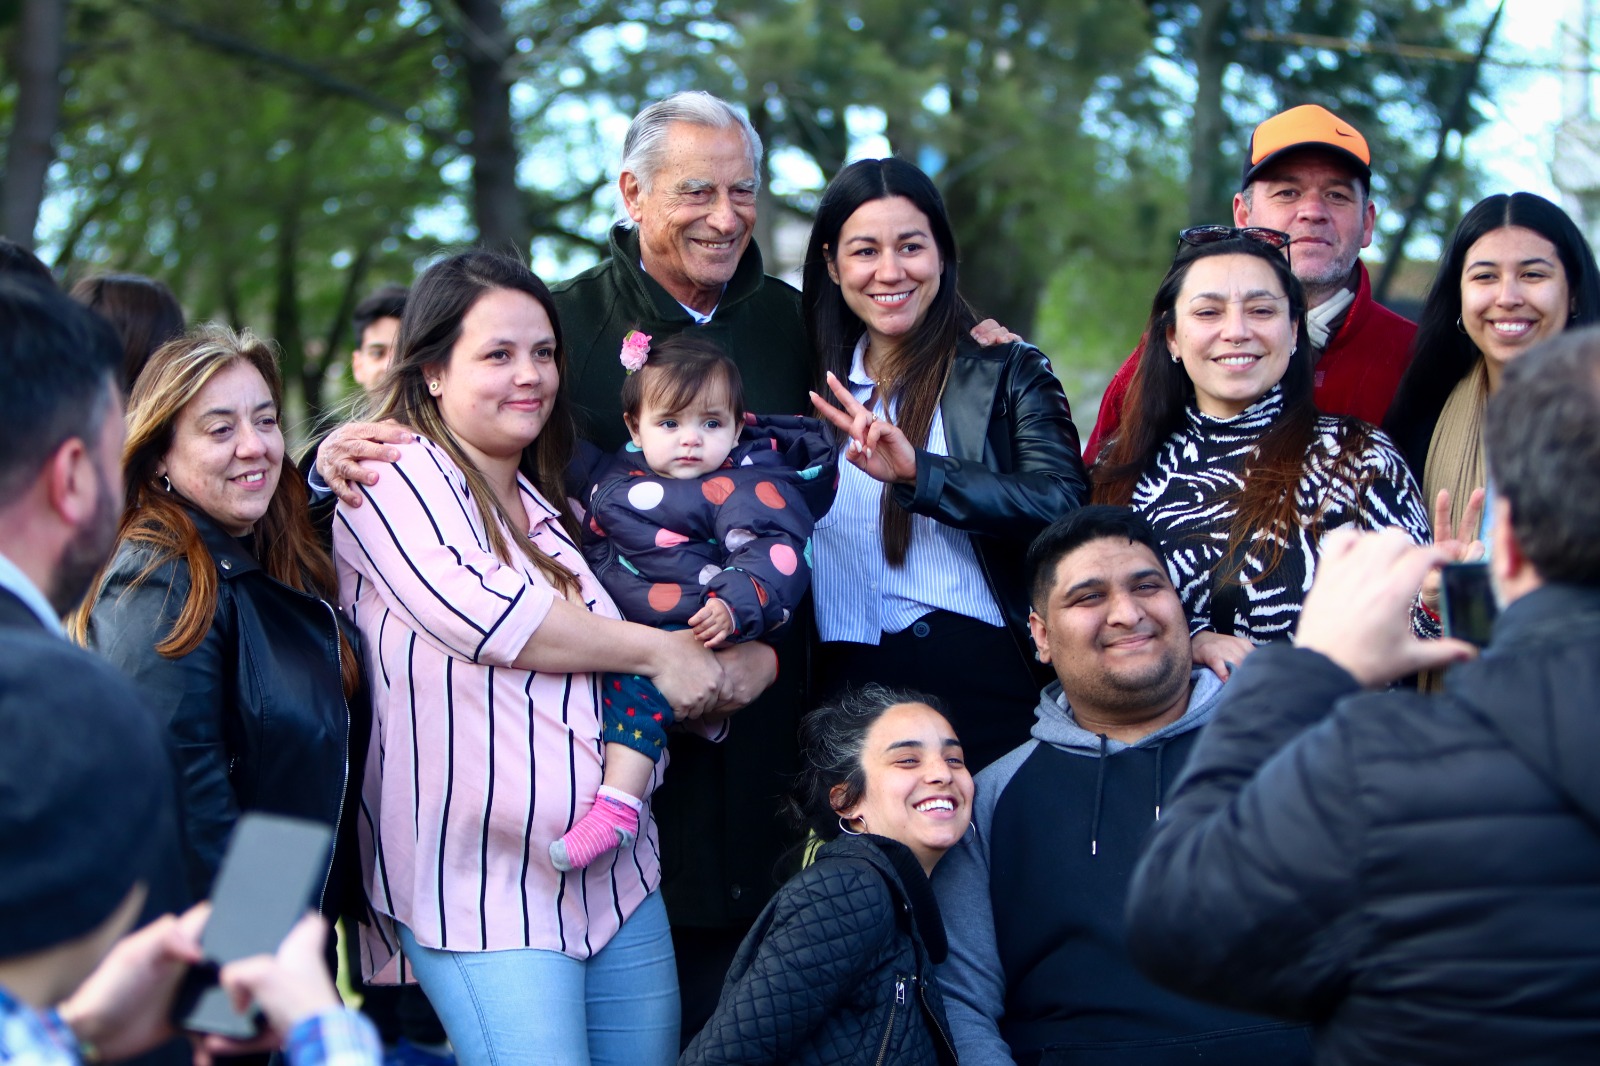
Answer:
[(475, 766)]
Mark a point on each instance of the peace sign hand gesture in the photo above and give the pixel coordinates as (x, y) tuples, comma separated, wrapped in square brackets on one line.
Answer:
[(876, 447), (1462, 544)]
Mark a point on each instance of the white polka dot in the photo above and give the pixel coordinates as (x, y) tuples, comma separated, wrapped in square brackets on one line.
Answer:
[(645, 496), (707, 572), (738, 538)]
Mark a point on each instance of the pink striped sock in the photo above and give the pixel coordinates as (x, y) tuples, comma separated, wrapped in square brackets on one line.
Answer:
[(610, 823)]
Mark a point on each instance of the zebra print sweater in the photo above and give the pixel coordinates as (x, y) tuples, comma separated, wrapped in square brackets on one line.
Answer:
[(1189, 496)]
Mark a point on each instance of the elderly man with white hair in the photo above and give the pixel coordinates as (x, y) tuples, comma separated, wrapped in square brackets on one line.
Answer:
[(684, 259)]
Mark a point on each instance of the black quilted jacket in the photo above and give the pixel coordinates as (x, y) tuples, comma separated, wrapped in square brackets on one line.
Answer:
[(838, 969)]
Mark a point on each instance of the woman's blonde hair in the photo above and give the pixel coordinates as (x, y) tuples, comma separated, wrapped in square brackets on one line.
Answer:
[(429, 330), (286, 546)]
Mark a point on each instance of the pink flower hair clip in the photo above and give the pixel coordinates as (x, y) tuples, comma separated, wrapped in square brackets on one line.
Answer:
[(635, 350)]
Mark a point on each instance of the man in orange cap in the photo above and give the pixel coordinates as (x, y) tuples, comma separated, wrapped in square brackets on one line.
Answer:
[(1309, 174)]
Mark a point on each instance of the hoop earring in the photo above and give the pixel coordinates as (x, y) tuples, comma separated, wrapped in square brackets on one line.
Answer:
[(1459, 326), (166, 483), (844, 827)]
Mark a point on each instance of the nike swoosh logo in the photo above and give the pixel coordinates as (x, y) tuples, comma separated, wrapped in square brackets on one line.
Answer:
[(1342, 133)]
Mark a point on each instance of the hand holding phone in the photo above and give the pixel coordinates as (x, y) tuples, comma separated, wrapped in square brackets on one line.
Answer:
[(265, 886), (1468, 607)]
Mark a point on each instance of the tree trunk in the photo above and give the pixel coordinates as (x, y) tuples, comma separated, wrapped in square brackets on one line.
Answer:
[(999, 283), (766, 227), (286, 307), (1208, 196), (41, 36), (338, 334), (496, 201)]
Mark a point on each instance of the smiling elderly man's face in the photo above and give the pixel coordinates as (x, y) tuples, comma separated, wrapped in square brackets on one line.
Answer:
[(696, 216)]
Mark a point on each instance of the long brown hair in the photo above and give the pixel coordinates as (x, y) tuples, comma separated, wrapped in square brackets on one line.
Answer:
[(286, 546), (429, 330), (1161, 391), (913, 376)]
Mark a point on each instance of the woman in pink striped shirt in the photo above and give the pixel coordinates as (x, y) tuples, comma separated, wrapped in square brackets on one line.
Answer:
[(485, 634)]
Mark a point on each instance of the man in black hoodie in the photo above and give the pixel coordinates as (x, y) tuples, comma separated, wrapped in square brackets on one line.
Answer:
[(1032, 899), (1416, 875)]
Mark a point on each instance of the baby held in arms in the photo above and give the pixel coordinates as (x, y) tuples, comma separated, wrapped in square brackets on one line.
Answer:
[(701, 522)]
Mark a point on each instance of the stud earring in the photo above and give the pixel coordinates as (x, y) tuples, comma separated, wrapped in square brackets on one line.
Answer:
[(433, 387)]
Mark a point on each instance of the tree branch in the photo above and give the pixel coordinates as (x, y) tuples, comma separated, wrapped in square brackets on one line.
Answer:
[(321, 79)]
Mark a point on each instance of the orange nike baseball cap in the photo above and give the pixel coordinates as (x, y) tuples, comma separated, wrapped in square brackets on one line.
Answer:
[(1306, 126)]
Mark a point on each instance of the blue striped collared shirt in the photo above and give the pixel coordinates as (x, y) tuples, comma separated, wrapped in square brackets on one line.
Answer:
[(858, 595)]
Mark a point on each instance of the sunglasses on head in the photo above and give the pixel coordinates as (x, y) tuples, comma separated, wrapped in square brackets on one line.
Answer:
[(1198, 235)]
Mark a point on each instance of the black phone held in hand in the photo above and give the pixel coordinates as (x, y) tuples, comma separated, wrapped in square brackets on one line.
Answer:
[(269, 876), (1467, 602)]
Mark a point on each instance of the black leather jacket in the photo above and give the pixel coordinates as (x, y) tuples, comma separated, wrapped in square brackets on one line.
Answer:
[(1014, 466), (257, 711), (839, 969)]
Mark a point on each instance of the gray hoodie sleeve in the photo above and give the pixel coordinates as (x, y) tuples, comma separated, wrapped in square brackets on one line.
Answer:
[(973, 981)]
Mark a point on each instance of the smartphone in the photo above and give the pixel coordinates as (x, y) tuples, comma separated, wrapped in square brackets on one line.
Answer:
[(272, 869), (1468, 602)]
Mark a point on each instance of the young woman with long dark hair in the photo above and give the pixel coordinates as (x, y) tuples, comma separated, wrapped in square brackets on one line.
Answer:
[(957, 455), (1517, 272)]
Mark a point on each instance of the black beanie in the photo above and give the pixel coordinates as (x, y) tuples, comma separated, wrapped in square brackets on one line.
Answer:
[(85, 784)]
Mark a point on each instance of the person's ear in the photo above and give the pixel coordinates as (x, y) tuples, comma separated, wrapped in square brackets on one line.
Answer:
[(1241, 213), (836, 796), (632, 191), (72, 482), (1368, 221), (1041, 636), (833, 269), (632, 422)]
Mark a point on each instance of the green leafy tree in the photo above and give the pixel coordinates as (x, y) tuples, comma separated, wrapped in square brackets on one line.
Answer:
[(263, 195)]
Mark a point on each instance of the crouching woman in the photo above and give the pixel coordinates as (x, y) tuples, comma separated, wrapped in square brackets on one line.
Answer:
[(839, 968)]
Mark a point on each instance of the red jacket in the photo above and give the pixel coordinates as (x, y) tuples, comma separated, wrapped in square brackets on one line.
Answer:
[(1357, 374)]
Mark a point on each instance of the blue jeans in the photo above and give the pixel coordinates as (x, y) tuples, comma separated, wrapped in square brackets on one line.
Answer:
[(527, 1005)]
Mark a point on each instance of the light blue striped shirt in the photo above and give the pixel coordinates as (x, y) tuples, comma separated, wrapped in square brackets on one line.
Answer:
[(858, 595)]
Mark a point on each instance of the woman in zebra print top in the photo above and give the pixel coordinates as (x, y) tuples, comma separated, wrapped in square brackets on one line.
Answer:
[(1225, 454)]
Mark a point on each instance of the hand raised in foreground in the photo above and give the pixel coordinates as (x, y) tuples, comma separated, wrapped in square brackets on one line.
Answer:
[(340, 453), (1358, 612), (876, 446), (289, 986), (122, 1008)]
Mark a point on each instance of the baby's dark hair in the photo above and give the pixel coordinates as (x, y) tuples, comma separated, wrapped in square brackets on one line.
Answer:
[(832, 740), (680, 368)]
